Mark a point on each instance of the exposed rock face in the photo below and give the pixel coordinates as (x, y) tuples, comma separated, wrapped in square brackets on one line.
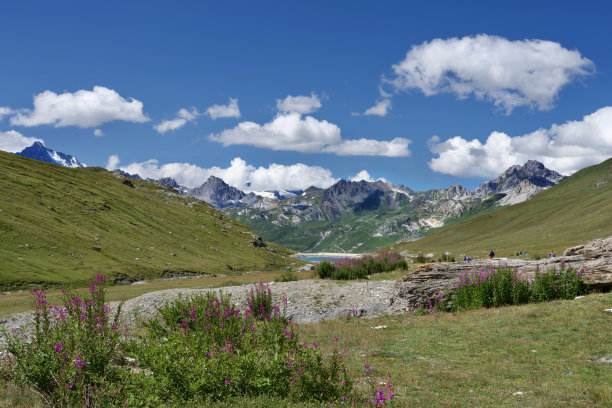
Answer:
[(428, 280), (39, 152), (218, 193), (520, 183), (170, 182)]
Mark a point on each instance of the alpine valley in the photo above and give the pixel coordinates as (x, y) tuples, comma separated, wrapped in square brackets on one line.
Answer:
[(364, 216)]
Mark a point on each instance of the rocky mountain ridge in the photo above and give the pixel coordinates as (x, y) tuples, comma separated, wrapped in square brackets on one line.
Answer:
[(38, 151), (362, 216)]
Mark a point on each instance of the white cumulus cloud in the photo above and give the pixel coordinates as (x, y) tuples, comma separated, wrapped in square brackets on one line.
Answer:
[(397, 147), (362, 175), (82, 108), (113, 162), (230, 110), (98, 133), (300, 104), (508, 73), (292, 132), (565, 148), (14, 142), (182, 117), (5, 111), (380, 108), (239, 174)]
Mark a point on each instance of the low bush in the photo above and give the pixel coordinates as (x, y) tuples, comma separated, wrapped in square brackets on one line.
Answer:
[(446, 258), (69, 358), (420, 258), (287, 276), (260, 300), (199, 349), (494, 287), (204, 348), (359, 268)]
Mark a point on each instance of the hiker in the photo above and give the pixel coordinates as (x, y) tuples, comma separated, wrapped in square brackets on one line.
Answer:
[(491, 254), (551, 254), (464, 258), (469, 258)]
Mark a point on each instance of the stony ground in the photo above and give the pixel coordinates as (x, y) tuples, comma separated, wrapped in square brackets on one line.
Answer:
[(309, 301)]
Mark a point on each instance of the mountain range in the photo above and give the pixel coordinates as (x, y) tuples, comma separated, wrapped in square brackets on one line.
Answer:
[(351, 216), (364, 216)]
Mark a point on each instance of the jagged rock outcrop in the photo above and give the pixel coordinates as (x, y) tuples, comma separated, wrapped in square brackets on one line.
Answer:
[(170, 182), (520, 183), (218, 193), (39, 152), (428, 280)]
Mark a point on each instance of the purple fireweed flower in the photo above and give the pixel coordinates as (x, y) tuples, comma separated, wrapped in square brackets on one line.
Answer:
[(78, 363), (192, 314), (368, 369), (58, 347)]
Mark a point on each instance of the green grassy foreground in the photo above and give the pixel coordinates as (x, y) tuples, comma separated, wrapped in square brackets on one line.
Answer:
[(573, 212), (549, 352), (60, 225)]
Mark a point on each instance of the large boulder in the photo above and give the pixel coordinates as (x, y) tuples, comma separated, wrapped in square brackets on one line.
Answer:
[(594, 259)]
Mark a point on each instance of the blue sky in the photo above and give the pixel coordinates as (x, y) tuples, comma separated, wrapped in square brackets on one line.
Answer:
[(474, 89)]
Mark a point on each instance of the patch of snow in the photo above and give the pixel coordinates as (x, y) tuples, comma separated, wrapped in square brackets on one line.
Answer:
[(397, 190)]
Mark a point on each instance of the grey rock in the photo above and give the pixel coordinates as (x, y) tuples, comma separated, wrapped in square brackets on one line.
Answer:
[(594, 259)]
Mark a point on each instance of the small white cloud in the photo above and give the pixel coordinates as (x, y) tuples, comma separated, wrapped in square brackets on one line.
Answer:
[(239, 174), (182, 117), (98, 133), (14, 142), (565, 148), (82, 108), (508, 73), (300, 104), (397, 147), (292, 132), (230, 110), (113, 162), (362, 175), (432, 141), (381, 108), (5, 111)]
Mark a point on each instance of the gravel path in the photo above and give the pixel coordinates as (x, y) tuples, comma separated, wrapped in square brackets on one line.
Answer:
[(309, 301)]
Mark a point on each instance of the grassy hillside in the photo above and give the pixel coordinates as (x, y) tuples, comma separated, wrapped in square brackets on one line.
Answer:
[(574, 211), (60, 225)]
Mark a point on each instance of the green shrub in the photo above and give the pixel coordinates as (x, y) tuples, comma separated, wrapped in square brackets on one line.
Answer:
[(552, 285), (69, 358), (494, 287), (287, 276), (359, 268), (216, 352), (325, 269), (420, 258), (260, 300)]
